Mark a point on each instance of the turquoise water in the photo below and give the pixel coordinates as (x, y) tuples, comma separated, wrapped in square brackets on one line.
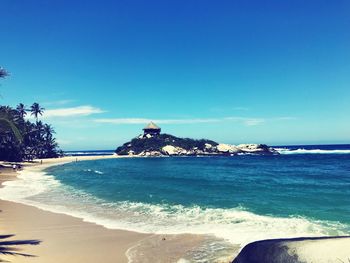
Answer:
[(315, 186), (238, 199)]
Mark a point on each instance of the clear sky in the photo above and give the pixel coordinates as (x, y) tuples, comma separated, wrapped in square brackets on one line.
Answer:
[(275, 72)]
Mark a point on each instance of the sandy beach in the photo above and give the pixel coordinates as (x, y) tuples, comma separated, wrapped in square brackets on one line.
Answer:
[(64, 238), (68, 239)]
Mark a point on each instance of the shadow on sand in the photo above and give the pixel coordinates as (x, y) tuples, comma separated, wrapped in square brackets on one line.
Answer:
[(9, 247)]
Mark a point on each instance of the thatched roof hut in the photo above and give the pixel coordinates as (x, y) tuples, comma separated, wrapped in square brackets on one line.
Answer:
[(152, 129)]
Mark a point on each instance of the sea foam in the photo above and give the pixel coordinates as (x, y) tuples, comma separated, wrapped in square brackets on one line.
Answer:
[(311, 151), (235, 225)]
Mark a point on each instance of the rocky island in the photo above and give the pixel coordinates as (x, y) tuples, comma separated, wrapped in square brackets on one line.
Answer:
[(153, 143)]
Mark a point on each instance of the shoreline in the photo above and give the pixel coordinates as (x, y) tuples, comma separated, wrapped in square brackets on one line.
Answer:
[(60, 234), (66, 237)]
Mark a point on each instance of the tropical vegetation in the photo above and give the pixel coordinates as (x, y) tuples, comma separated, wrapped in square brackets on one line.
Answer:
[(21, 139), (156, 143), (3, 73)]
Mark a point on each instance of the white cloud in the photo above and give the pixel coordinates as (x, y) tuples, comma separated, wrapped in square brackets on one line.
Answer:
[(160, 121), (244, 120), (73, 111), (253, 122), (247, 121), (57, 102)]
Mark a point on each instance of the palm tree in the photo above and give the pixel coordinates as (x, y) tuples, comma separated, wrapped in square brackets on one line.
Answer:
[(7, 124), (21, 139), (21, 110), (48, 130), (3, 73), (36, 110)]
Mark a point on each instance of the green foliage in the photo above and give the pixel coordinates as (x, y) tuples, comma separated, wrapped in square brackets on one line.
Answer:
[(36, 110), (7, 124), (21, 110), (156, 143), (21, 139), (3, 73)]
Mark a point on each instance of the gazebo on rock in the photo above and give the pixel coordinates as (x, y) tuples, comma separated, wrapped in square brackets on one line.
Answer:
[(151, 129)]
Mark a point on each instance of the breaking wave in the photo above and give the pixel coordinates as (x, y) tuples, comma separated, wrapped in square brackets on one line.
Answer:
[(236, 225), (93, 171), (311, 151)]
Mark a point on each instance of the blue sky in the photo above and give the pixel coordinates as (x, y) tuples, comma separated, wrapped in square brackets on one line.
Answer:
[(274, 72)]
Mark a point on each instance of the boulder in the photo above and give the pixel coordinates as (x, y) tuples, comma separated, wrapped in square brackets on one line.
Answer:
[(149, 153), (208, 146), (265, 251), (227, 148), (297, 250), (172, 150), (256, 148)]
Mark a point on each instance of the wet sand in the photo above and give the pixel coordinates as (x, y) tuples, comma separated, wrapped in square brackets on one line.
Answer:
[(69, 239), (64, 238)]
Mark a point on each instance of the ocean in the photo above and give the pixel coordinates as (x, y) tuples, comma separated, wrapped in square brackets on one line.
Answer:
[(304, 191)]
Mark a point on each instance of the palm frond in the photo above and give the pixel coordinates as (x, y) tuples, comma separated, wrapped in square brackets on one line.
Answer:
[(3, 73), (7, 247), (7, 124)]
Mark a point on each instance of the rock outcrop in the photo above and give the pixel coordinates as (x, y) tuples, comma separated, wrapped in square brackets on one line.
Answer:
[(255, 148), (227, 148), (297, 250), (169, 145), (172, 150)]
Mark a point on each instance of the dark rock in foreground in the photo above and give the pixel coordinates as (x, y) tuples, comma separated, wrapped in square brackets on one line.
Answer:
[(166, 144), (266, 251), (297, 250)]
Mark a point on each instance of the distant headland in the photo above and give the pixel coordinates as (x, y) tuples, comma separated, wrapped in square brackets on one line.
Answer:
[(153, 143)]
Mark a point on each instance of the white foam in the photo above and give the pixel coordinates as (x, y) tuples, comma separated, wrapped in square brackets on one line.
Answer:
[(30, 183), (235, 224), (94, 171), (89, 153), (313, 151)]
